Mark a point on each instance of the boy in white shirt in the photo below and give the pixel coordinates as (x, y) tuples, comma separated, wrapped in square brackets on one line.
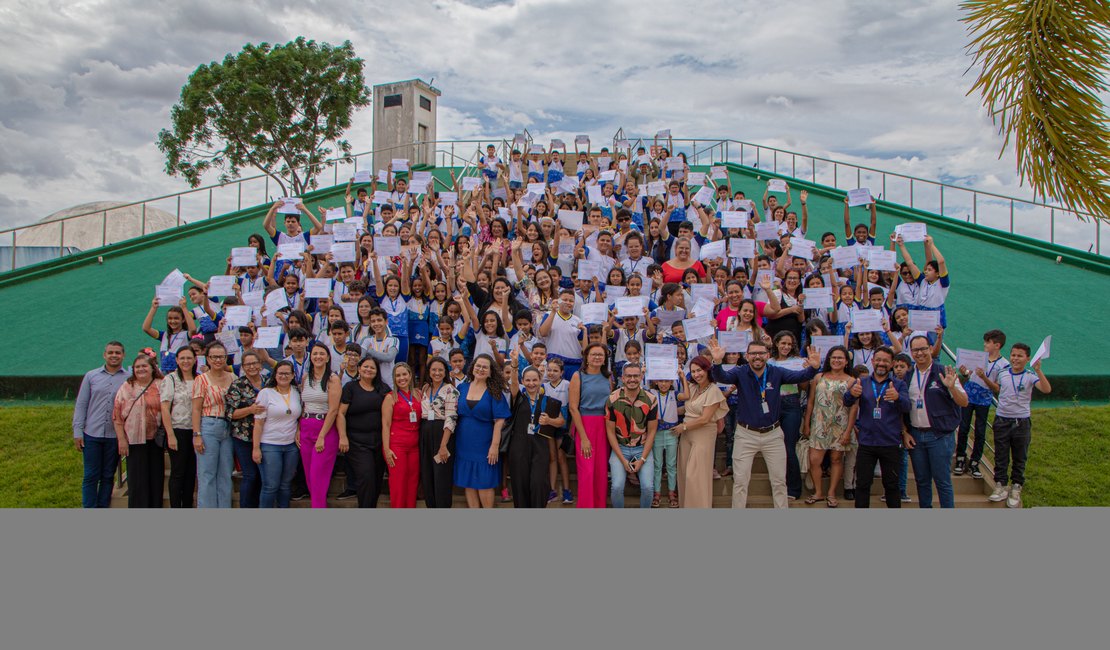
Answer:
[(1012, 426)]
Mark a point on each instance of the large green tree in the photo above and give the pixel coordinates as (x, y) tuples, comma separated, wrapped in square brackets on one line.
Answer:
[(1043, 64), (279, 108)]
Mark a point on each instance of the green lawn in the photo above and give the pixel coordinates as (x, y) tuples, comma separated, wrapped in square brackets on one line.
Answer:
[(1069, 461)]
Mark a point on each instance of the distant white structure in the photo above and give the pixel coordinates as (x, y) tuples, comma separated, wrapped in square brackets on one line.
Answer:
[(105, 222), (404, 113)]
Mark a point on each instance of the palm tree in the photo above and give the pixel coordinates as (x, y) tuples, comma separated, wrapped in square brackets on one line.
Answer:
[(1042, 64)]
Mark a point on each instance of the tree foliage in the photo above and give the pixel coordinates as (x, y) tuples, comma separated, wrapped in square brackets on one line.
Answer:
[(279, 108), (1042, 65)]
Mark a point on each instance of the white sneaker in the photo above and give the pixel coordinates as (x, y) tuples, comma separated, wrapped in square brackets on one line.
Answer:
[(1014, 501), (999, 494)]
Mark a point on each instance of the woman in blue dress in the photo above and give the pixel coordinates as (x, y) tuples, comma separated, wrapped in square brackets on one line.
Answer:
[(483, 409)]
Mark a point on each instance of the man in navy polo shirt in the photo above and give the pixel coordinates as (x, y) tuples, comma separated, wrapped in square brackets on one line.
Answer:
[(757, 416), (878, 404), (935, 401)]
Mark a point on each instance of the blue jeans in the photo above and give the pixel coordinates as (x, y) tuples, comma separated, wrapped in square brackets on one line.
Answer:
[(101, 457), (251, 484), (664, 453), (279, 464), (215, 464), (791, 420), (932, 463), (646, 474)]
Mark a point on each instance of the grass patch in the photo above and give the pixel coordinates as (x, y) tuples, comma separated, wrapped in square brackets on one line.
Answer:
[(1069, 459), (39, 464)]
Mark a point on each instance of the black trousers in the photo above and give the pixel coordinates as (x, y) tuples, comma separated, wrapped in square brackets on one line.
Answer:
[(1011, 442), (183, 469), (890, 462), (146, 472), (437, 478), (529, 464), (367, 466)]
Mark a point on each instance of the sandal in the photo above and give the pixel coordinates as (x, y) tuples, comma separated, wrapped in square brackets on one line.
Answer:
[(831, 501), (655, 500), (673, 500), (811, 500)]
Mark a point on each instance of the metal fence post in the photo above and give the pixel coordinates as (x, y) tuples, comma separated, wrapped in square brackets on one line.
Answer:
[(104, 226), (61, 239), (911, 192), (1011, 216), (210, 203), (836, 176), (13, 249), (143, 232), (239, 202), (178, 209), (1052, 226), (942, 200), (884, 187)]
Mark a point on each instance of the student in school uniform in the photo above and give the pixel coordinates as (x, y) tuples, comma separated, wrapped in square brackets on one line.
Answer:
[(861, 235), (179, 327), (558, 387), (978, 404), (1012, 425), (393, 294), (932, 282), (564, 333)]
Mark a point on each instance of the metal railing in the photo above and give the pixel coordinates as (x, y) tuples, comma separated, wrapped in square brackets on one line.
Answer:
[(138, 218), (1027, 217)]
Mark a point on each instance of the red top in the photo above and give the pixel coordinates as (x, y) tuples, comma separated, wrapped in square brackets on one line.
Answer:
[(402, 431), (671, 274)]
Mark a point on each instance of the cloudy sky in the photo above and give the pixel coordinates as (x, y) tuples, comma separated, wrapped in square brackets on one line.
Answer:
[(87, 84)]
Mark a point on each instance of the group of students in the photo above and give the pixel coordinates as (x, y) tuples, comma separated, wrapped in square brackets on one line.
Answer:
[(495, 336)]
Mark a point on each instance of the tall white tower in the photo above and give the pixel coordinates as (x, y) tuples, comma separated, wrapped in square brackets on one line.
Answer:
[(404, 114)]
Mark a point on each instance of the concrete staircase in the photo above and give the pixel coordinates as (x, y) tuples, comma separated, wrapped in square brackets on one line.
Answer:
[(969, 492)]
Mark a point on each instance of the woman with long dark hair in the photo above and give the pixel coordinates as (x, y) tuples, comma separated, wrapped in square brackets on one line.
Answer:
[(536, 417), (360, 421), (482, 412), (211, 430), (176, 393), (318, 436), (784, 353), (439, 403), (401, 412)]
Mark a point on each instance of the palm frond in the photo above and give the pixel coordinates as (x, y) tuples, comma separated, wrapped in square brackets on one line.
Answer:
[(1042, 64)]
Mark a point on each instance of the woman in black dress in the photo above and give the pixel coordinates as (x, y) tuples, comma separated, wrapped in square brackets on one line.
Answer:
[(360, 420)]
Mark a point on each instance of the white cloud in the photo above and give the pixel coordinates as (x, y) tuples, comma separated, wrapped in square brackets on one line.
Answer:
[(879, 83)]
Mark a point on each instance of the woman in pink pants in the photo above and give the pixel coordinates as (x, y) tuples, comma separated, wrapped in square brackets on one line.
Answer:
[(318, 437), (588, 390)]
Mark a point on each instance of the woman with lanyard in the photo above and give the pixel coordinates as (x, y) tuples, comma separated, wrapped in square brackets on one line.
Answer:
[(785, 311), (317, 435), (828, 424), (697, 436), (784, 353), (564, 333), (439, 409), (360, 421), (176, 393), (401, 411), (393, 295), (589, 389), (137, 418), (535, 417), (179, 327), (274, 436), (381, 344), (211, 430), (240, 406), (482, 412)]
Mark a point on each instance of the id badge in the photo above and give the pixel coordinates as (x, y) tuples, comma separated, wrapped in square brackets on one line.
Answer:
[(412, 416), (877, 413), (531, 429), (766, 408), (920, 404)]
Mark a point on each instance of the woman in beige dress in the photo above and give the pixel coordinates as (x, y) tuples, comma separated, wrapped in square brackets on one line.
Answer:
[(697, 437)]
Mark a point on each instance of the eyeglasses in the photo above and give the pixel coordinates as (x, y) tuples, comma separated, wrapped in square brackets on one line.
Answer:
[(917, 350), (217, 357)]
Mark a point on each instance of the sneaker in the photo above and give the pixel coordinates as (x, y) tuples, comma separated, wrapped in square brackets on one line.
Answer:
[(961, 466), (299, 497), (999, 494), (505, 498), (849, 495), (568, 498), (1014, 500), (906, 498), (716, 474), (975, 472), (552, 496), (882, 498), (347, 494), (236, 474)]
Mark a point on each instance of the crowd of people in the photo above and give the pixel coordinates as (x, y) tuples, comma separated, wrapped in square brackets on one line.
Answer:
[(614, 308)]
